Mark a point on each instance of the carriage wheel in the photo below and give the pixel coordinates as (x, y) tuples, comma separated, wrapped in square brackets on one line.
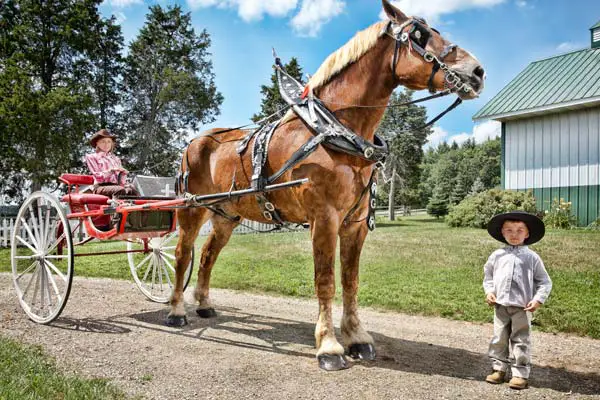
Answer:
[(42, 257), (154, 271)]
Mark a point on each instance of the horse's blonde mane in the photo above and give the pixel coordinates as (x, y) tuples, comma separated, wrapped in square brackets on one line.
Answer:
[(354, 49)]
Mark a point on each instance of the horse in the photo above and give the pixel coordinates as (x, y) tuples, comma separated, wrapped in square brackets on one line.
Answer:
[(364, 71)]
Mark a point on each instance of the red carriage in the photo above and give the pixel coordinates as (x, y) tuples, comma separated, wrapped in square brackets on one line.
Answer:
[(43, 244)]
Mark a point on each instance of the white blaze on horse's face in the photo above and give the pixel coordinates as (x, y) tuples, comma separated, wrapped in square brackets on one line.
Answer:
[(424, 59)]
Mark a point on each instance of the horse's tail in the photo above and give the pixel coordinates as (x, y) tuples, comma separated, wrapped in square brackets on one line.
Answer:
[(181, 180)]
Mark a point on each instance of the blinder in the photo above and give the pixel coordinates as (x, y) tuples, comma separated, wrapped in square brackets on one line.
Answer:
[(417, 38)]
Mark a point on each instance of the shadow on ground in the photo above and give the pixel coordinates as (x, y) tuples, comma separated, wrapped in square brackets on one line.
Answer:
[(277, 334)]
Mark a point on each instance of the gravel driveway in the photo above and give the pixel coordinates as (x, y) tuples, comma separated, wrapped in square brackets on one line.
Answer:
[(262, 347)]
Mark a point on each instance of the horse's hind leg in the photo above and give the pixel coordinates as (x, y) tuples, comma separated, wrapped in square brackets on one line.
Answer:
[(217, 239), (190, 220), (356, 339)]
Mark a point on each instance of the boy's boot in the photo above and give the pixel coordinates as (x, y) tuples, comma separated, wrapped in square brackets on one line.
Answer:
[(518, 383), (496, 377)]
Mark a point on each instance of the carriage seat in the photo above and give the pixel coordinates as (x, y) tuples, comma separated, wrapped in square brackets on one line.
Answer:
[(77, 179), (85, 198)]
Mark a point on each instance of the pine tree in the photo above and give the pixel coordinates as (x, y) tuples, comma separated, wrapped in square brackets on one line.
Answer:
[(438, 204), (169, 90), (272, 103), (45, 99), (401, 127)]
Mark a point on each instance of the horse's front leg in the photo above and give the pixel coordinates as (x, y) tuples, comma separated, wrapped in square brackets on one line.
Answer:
[(330, 353), (359, 343)]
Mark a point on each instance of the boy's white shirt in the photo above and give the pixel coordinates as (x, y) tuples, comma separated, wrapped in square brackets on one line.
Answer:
[(517, 276)]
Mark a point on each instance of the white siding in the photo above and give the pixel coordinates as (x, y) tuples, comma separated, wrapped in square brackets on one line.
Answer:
[(557, 150)]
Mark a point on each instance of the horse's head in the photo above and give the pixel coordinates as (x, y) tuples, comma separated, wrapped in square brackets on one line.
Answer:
[(422, 58)]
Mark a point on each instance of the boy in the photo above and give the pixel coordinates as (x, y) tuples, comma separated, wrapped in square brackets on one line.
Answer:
[(516, 284)]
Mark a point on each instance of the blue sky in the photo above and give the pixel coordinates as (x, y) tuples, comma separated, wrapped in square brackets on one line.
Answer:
[(505, 35)]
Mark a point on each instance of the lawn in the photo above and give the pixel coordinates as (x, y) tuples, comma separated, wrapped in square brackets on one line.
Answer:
[(416, 265)]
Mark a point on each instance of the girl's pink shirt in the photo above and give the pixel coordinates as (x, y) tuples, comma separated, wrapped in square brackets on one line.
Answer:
[(100, 163)]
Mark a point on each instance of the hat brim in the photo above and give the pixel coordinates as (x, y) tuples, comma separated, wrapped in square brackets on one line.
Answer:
[(534, 225), (97, 136)]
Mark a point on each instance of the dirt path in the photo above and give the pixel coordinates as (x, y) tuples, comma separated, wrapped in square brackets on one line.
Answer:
[(262, 347)]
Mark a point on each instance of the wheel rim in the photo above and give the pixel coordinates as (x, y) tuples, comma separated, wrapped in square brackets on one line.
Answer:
[(42, 260), (154, 271)]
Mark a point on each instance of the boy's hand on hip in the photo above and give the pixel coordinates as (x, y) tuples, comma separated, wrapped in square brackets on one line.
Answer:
[(532, 306), (490, 298)]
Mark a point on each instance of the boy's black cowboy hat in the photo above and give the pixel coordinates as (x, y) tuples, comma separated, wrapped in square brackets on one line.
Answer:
[(102, 133), (534, 225)]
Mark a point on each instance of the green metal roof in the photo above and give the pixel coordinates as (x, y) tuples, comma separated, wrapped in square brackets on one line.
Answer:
[(596, 26), (566, 81)]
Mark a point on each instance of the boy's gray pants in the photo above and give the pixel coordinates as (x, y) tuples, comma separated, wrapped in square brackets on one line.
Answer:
[(512, 327)]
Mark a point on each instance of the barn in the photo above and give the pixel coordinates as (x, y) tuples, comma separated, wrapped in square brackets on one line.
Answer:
[(550, 117)]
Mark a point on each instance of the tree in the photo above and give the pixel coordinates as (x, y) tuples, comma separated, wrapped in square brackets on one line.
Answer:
[(107, 66), (401, 127), (45, 100), (169, 90), (438, 204), (271, 102)]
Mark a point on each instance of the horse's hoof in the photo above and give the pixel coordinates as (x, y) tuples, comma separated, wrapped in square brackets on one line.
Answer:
[(206, 312), (176, 320), (332, 362), (362, 351)]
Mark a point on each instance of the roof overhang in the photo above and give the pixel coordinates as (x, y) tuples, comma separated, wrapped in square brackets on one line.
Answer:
[(571, 105)]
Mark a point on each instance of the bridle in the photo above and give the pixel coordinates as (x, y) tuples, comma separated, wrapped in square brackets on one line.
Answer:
[(416, 38)]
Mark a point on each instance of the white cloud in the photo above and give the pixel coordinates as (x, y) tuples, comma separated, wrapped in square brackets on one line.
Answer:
[(521, 3), (124, 3), (566, 47), (437, 136), (314, 13), (481, 132), (486, 130), (309, 19), (120, 17), (250, 10), (432, 10)]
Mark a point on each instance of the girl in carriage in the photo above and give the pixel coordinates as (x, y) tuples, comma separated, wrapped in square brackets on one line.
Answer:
[(105, 166)]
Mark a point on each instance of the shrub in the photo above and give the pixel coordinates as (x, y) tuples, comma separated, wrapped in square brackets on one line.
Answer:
[(594, 226), (559, 215), (475, 211)]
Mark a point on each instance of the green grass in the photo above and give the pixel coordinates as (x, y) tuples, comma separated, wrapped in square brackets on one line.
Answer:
[(27, 373), (417, 265)]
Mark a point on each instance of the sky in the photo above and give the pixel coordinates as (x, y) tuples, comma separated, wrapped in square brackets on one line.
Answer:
[(505, 35)]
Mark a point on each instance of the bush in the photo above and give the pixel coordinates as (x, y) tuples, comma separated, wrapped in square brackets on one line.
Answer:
[(475, 211), (594, 226), (559, 215)]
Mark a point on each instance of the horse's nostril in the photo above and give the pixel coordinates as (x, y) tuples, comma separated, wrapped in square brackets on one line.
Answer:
[(479, 72)]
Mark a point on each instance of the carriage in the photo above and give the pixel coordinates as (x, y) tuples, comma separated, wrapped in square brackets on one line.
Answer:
[(44, 240)]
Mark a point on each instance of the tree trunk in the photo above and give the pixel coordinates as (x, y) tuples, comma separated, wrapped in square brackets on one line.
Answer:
[(391, 205)]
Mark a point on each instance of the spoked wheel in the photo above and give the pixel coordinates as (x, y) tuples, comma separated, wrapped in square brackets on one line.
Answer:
[(154, 269), (42, 257)]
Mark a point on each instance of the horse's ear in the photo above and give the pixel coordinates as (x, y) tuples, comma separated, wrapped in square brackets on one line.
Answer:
[(392, 12)]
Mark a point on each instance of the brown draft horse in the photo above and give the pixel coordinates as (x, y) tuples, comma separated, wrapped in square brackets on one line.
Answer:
[(359, 73)]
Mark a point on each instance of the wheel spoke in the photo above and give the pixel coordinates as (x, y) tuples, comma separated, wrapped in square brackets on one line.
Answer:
[(56, 270), (41, 227), (167, 262), (56, 256), (150, 267), (143, 261), (166, 266), (33, 264), (20, 239), (168, 248), (171, 256), (47, 229), (31, 235), (55, 244), (31, 279), (34, 224), (53, 282), (24, 257)]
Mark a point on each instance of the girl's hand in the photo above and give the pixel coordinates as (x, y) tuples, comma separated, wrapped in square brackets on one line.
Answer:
[(490, 298), (532, 306)]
